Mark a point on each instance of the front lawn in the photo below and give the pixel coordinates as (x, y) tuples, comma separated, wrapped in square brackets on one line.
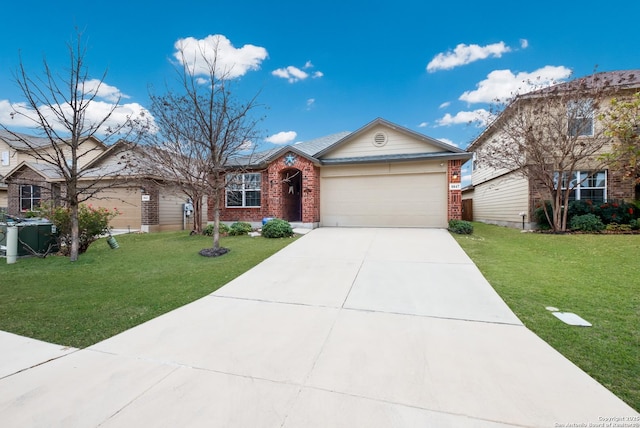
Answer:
[(108, 291), (594, 276)]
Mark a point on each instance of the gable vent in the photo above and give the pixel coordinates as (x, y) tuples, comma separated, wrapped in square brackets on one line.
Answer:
[(380, 139)]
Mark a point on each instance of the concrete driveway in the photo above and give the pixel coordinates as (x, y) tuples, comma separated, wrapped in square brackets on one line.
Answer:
[(343, 328)]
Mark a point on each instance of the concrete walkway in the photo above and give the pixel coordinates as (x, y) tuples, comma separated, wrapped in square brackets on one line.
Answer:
[(343, 328)]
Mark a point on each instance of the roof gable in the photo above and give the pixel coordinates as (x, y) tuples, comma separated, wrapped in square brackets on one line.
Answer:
[(401, 144), (46, 171), (381, 138)]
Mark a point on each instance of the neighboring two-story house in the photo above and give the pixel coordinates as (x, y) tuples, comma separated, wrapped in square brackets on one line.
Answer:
[(501, 194)]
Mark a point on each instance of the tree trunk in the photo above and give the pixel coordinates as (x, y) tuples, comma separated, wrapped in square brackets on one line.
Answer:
[(216, 230), (216, 220), (75, 234), (197, 215)]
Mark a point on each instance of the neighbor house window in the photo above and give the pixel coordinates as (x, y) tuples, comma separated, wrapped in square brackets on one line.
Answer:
[(243, 190), (29, 197), (4, 158), (580, 118), (586, 185)]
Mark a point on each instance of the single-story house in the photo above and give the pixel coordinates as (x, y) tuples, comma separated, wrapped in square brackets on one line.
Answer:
[(145, 203), (503, 196), (382, 175)]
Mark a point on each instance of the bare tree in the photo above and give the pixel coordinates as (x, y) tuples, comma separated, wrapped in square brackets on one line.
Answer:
[(202, 129), (175, 155), (60, 108), (548, 135), (622, 122)]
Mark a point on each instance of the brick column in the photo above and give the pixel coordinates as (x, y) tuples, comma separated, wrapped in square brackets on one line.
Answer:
[(150, 208), (454, 202), (310, 194)]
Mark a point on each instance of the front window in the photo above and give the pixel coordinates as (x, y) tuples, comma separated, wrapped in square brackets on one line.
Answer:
[(580, 118), (586, 185), (29, 197), (243, 190)]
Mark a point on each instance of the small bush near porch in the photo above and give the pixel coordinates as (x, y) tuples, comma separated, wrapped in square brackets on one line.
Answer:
[(108, 291), (593, 276)]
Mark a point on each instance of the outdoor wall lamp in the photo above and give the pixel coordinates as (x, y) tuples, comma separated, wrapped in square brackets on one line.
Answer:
[(454, 175)]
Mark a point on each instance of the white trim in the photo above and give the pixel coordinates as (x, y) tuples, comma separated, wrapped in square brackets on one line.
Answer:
[(243, 189)]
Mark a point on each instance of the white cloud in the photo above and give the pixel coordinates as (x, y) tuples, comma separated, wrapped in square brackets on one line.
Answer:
[(310, 103), (294, 74), (503, 84), (524, 43), (246, 145), (480, 117), (466, 54), (291, 73), (19, 115), (445, 104), (104, 91), (284, 137), (423, 125), (447, 141), (230, 62)]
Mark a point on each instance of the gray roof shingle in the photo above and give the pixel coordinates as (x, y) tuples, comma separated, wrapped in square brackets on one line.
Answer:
[(19, 141)]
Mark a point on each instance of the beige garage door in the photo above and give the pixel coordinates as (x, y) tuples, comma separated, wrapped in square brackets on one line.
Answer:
[(403, 200), (127, 200)]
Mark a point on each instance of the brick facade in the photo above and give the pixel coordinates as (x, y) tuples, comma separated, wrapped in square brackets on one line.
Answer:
[(290, 189), (26, 176), (619, 188)]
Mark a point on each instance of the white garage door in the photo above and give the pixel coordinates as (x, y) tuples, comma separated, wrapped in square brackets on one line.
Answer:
[(403, 200)]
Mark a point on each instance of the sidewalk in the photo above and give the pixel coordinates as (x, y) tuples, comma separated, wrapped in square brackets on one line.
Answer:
[(342, 328)]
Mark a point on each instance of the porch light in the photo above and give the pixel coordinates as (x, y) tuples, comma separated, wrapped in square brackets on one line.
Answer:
[(454, 175)]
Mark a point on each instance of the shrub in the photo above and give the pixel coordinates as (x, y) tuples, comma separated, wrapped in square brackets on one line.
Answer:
[(223, 229), (634, 224), (240, 228), (541, 218), (586, 223), (462, 227), (615, 227), (582, 207), (92, 222), (617, 212), (277, 228)]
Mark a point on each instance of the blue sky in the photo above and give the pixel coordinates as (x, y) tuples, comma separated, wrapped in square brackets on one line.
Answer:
[(331, 66)]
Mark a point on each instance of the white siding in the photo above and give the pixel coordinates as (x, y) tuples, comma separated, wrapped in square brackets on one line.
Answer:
[(397, 143), (171, 212), (501, 201)]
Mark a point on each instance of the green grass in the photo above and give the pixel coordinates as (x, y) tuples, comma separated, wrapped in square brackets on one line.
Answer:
[(594, 276), (108, 291)]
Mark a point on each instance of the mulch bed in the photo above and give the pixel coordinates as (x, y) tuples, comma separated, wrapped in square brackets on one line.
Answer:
[(214, 252)]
